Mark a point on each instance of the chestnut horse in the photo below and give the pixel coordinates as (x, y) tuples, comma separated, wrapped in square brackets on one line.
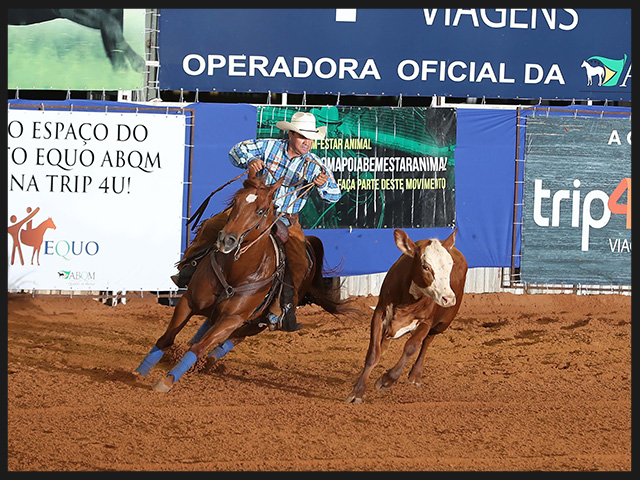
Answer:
[(234, 284)]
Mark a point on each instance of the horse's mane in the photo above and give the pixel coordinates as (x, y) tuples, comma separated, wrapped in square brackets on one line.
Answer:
[(253, 183), (248, 183)]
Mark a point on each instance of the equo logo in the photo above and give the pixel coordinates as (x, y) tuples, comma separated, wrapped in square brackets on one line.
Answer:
[(68, 248), (23, 233)]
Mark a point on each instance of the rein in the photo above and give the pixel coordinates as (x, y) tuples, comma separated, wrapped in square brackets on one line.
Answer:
[(198, 213), (240, 251)]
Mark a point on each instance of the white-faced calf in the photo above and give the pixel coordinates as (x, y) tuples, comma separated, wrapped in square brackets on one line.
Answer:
[(421, 293)]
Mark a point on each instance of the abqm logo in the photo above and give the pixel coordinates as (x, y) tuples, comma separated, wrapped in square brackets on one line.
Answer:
[(24, 234), (606, 72)]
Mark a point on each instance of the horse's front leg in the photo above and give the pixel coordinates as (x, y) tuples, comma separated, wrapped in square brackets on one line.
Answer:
[(245, 330), (181, 315), (216, 334)]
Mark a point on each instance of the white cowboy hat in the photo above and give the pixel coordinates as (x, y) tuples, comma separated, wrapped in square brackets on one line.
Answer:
[(305, 124)]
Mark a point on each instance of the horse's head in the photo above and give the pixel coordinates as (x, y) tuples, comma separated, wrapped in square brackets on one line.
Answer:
[(431, 267), (251, 213)]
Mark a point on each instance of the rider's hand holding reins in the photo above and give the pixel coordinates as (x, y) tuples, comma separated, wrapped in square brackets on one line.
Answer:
[(320, 179), (255, 166)]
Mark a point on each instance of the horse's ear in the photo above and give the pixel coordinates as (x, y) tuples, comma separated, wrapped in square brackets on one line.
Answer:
[(252, 177), (277, 185), (404, 243)]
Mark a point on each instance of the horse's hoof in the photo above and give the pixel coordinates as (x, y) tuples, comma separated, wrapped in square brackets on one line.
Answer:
[(164, 385)]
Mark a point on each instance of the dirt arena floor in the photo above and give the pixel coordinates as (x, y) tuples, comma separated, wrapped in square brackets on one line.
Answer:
[(518, 382)]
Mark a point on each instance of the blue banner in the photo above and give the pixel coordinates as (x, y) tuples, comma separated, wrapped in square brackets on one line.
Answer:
[(484, 179), (507, 53)]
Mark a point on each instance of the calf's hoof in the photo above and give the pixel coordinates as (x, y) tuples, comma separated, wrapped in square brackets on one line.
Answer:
[(384, 382), (354, 398)]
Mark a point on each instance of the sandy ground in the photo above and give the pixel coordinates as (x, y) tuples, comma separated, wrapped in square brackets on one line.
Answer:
[(518, 382)]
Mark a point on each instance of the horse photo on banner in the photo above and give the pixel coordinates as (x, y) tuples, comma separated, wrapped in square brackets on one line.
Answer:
[(75, 48), (394, 166), (577, 201)]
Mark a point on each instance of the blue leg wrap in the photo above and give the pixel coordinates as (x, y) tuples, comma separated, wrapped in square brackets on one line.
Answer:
[(149, 361), (185, 363), (221, 350), (204, 328)]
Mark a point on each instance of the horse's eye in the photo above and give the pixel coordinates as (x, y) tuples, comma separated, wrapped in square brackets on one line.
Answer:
[(425, 268), (260, 212)]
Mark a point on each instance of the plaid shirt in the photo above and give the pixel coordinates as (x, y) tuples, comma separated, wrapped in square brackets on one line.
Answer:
[(274, 154)]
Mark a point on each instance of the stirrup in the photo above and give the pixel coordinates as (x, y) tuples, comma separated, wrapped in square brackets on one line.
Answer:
[(289, 322), (286, 323), (183, 277)]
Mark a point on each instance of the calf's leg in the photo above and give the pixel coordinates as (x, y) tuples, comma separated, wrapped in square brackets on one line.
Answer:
[(410, 347), (415, 374), (376, 348)]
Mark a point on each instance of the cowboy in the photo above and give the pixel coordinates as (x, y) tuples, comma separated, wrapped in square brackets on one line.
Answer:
[(292, 159)]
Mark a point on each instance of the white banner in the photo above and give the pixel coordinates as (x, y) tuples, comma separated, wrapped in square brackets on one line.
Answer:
[(94, 200)]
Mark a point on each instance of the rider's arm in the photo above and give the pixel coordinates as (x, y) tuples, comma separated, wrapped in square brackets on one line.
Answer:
[(329, 191), (242, 153)]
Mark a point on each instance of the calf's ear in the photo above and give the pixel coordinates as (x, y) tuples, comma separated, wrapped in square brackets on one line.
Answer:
[(404, 243), (451, 240)]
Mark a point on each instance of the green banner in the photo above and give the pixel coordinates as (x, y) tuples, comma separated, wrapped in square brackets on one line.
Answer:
[(395, 166)]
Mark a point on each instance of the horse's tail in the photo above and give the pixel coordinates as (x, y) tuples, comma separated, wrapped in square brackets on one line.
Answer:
[(324, 291)]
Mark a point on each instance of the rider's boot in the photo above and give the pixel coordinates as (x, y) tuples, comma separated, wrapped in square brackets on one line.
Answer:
[(287, 319), (289, 322)]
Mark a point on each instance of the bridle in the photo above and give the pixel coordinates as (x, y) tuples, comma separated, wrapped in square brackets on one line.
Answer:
[(240, 249)]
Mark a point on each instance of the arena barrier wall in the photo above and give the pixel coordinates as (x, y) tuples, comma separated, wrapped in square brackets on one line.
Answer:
[(487, 193)]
